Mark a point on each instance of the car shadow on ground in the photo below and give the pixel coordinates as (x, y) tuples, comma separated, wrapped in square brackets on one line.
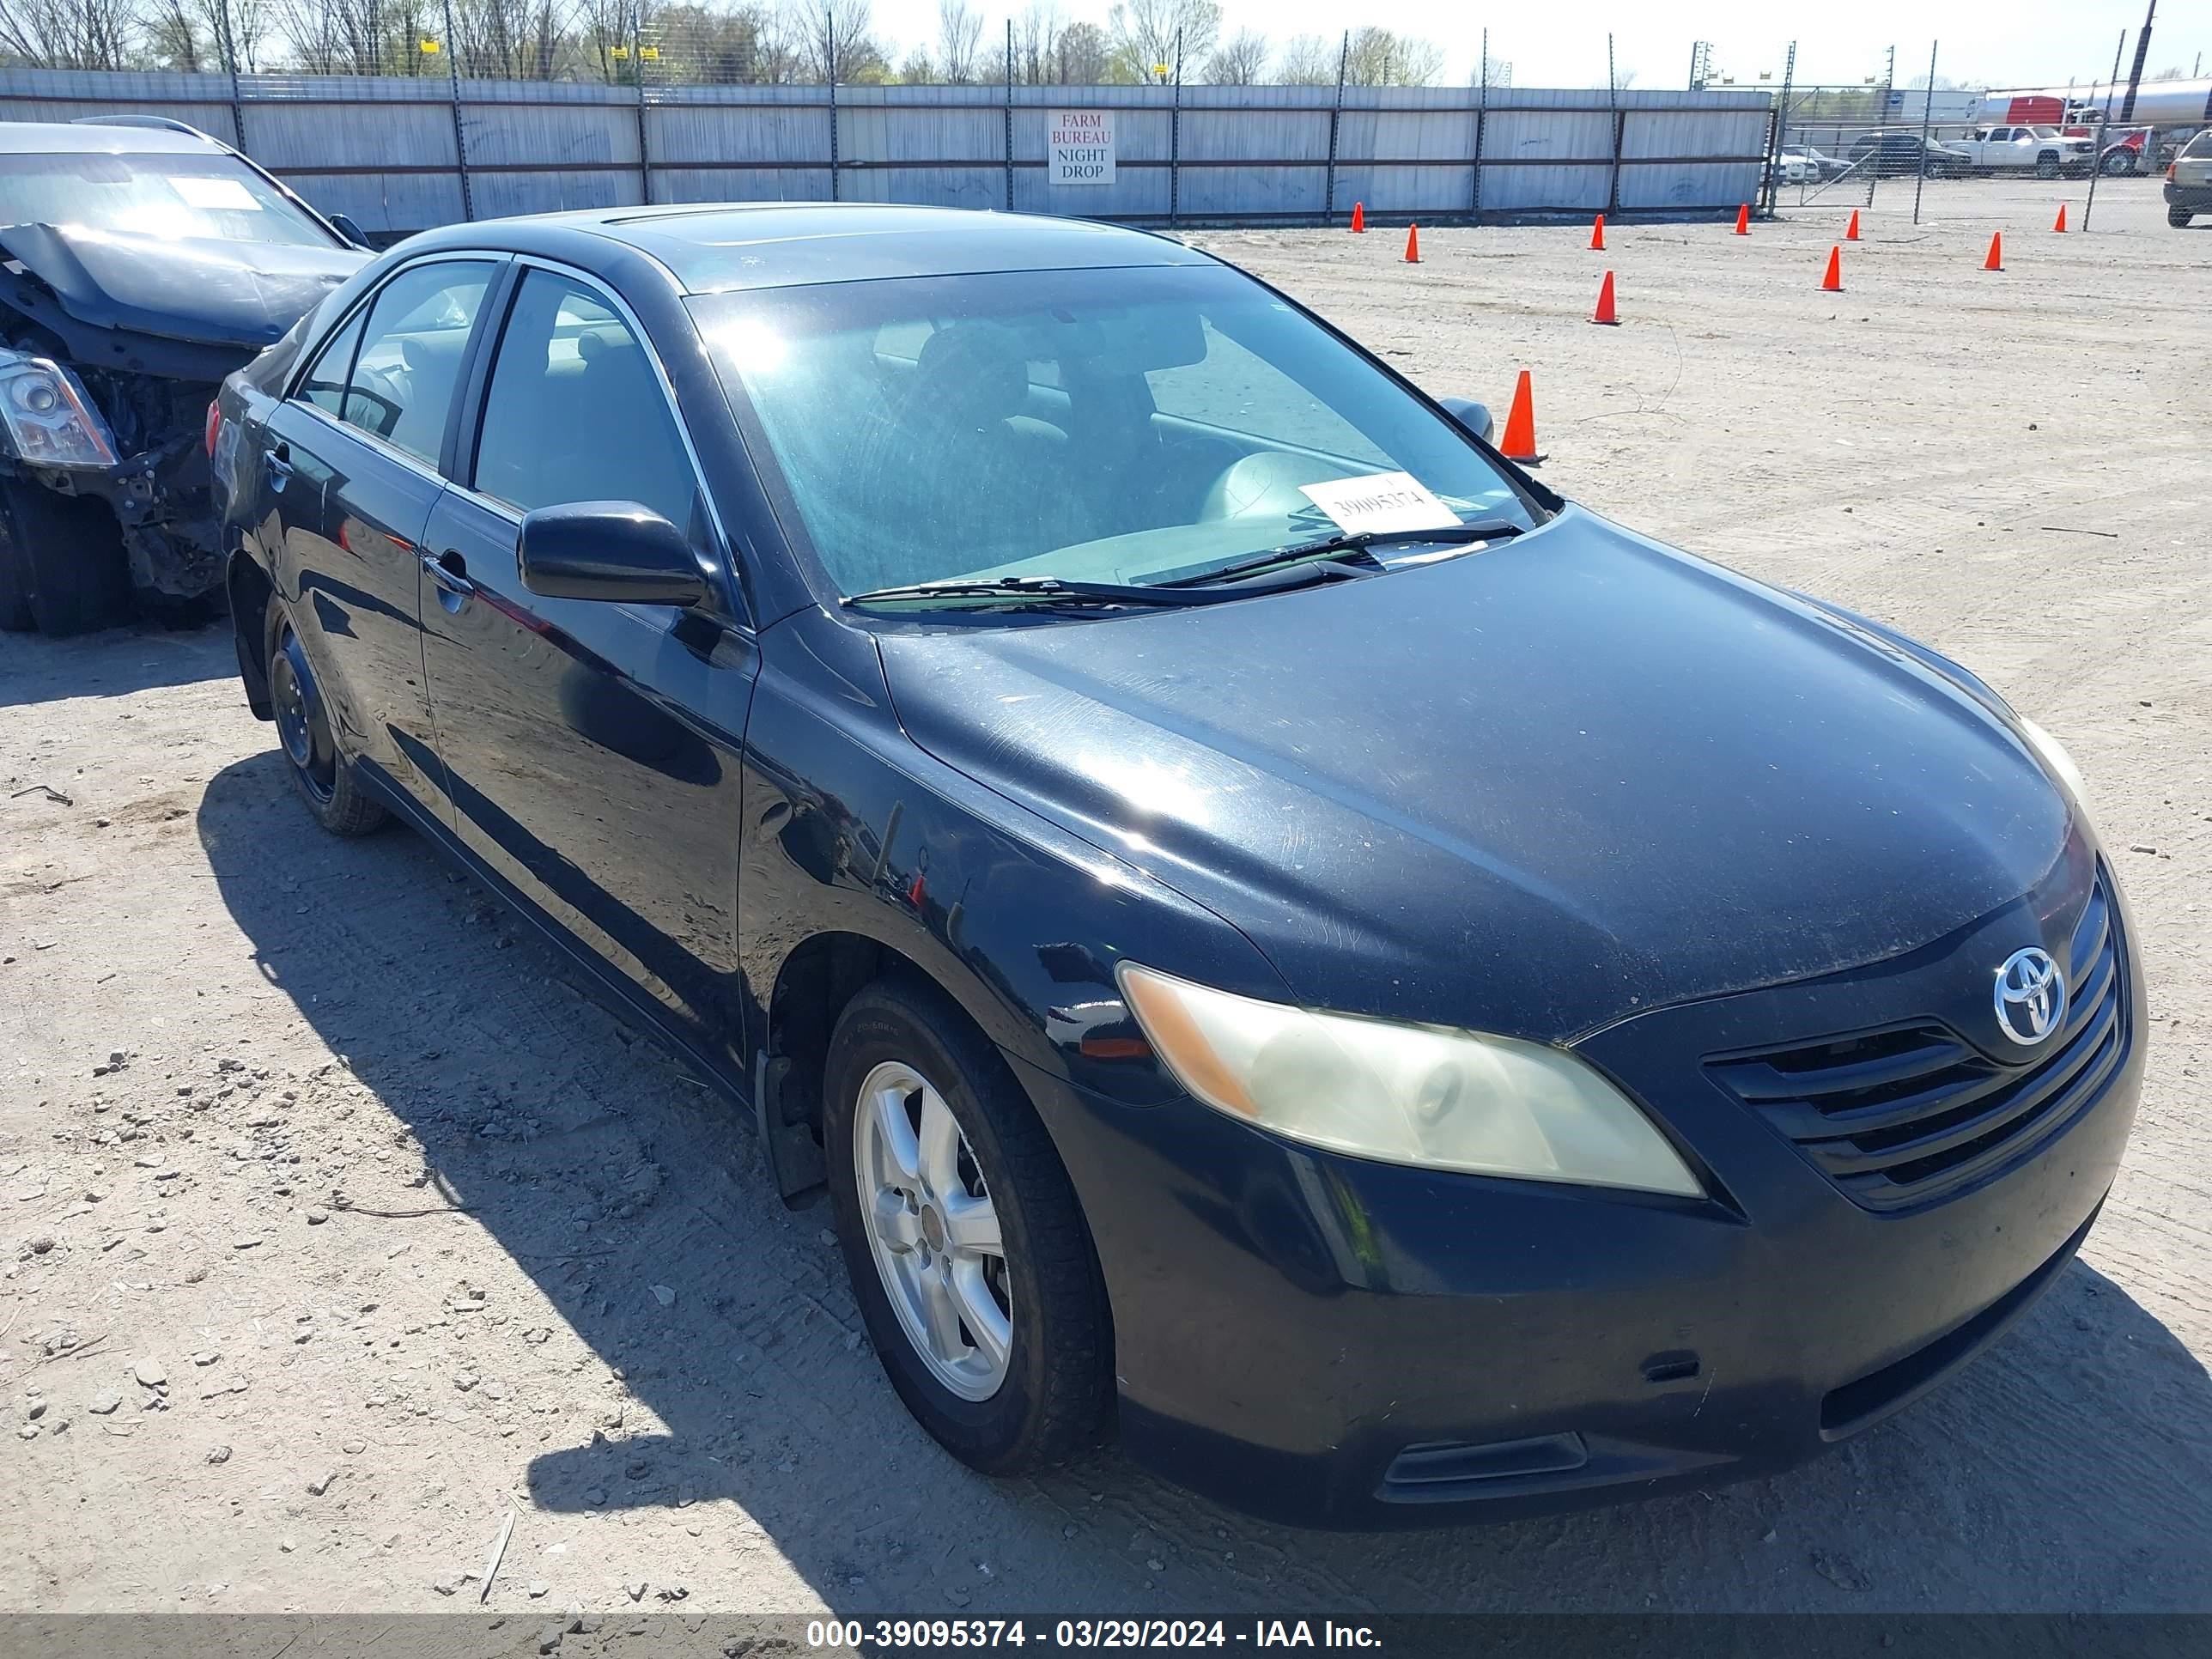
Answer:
[(2067, 1469), (122, 660)]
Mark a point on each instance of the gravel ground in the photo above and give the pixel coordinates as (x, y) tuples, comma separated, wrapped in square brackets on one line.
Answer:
[(336, 1224)]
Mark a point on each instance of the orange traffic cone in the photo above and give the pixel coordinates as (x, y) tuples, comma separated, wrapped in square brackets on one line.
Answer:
[(1520, 441), (1597, 234), (1604, 313), (1743, 220), (1413, 244), (1851, 230), (1834, 282), (2061, 225), (1359, 218), (1996, 261)]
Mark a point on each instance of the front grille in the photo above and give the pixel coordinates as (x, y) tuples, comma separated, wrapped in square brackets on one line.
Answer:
[(1905, 1115)]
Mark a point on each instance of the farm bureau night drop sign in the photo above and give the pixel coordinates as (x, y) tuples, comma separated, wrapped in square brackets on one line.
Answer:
[(1081, 145)]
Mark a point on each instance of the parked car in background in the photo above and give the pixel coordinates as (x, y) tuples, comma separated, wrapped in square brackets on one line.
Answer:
[(144, 261), (2042, 150), (1793, 166), (1629, 1029), (1899, 154), (2189, 181)]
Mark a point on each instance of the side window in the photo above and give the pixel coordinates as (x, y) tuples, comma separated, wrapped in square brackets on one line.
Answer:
[(403, 380), (324, 385), (575, 412)]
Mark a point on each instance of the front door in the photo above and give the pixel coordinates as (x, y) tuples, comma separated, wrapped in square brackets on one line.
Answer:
[(592, 749), (351, 464)]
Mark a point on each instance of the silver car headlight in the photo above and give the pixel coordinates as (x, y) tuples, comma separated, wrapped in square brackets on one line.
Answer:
[(49, 421), (1423, 1095)]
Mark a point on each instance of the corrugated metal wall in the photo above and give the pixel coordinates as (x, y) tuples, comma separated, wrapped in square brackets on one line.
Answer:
[(385, 150)]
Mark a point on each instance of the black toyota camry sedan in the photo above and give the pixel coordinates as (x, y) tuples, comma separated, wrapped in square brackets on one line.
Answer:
[(1285, 941)]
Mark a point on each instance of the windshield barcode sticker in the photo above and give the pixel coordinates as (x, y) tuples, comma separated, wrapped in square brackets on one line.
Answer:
[(1380, 501)]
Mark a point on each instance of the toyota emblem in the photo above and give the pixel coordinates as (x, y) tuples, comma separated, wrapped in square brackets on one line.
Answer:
[(2031, 996)]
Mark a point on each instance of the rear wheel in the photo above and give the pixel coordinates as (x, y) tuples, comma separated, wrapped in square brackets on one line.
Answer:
[(67, 553), (968, 1254), (322, 776)]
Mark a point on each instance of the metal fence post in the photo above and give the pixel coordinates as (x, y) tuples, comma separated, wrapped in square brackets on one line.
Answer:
[(829, 75), (1620, 125), (460, 130), (2097, 163), (227, 42), (1174, 137), (1926, 120), (1335, 119), (637, 57), (1880, 127), (1769, 187), (1481, 120), (1010, 115)]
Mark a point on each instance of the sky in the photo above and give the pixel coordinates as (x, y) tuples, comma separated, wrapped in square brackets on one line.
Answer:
[(2002, 43)]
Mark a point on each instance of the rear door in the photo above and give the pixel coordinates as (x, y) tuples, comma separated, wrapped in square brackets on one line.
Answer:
[(592, 749), (350, 462)]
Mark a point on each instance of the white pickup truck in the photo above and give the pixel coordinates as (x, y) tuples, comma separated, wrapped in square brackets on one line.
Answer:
[(2043, 150)]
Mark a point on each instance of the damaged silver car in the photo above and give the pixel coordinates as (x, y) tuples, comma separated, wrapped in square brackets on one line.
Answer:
[(141, 262)]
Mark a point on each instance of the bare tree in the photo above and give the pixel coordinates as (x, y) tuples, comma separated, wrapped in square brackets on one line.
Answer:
[(1084, 55), (70, 34), (959, 39), (172, 37), (1146, 33), (1307, 60), (1379, 58), (837, 40), (1036, 42), (1239, 61)]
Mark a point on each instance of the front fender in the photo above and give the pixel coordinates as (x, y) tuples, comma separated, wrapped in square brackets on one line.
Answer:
[(851, 829)]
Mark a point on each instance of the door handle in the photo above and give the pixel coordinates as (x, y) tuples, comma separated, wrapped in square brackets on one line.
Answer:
[(278, 461), (450, 571)]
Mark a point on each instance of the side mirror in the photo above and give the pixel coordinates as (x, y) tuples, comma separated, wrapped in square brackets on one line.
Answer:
[(343, 223), (617, 551), (1471, 414)]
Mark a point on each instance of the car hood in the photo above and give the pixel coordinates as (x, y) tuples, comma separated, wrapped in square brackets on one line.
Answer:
[(196, 289), (1530, 790)]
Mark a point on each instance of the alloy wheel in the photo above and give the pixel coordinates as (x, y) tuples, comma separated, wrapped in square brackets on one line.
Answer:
[(932, 1231)]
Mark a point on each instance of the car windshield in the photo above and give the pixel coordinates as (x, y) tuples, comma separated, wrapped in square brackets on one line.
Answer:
[(1136, 425), (2200, 146), (206, 195)]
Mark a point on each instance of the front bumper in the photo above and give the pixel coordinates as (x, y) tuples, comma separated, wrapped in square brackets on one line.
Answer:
[(1330, 1341)]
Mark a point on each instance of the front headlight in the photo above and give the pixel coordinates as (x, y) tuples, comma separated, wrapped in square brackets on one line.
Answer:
[(2051, 752), (1422, 1094), (49, 420)]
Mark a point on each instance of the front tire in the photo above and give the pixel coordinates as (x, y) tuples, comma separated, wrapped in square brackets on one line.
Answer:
[(323, 776), (969, 1254), (2047, 167), (69, 571)]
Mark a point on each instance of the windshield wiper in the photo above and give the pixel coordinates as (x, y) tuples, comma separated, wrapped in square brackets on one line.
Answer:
[(1033, 590), (1354, 541)]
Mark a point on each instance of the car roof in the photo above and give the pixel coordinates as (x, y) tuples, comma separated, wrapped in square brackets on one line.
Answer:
[(69, 138), (724, 247)]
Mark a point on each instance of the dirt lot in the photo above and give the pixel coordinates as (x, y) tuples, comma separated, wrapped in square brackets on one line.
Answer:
[(336, 1222)]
